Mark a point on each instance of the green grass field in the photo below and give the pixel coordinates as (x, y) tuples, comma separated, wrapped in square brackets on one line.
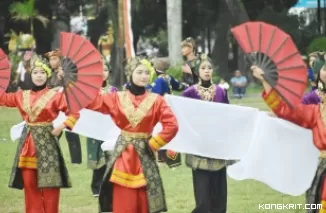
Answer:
[(243, 196)]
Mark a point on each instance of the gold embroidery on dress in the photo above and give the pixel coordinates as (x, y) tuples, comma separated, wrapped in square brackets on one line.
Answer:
[(26, 102), (136, 115), (322, 106), (206, 94), (40, 104)]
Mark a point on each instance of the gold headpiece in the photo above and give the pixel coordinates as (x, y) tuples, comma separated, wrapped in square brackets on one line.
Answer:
[(132, 63), (204, 57), (37, 63)]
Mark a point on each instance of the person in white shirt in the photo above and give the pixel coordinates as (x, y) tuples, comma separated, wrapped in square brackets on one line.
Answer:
[(224, 84), (23, 73)]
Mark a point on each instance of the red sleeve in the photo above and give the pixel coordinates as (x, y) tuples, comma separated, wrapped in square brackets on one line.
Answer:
[(103, 103), (169, 126), (62, 105), (9, 99), (302, 115)]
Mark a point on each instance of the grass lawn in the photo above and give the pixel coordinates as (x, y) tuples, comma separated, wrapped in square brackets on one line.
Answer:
[(244, 196)]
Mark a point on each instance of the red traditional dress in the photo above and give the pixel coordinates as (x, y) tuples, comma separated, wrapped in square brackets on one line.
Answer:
[(132, 171), (39, 166), (311, 117)]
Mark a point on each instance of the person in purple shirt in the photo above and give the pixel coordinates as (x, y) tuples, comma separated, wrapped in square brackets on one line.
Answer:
[(209, 175)]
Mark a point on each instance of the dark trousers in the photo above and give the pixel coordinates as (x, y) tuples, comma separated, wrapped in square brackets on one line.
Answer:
[(239, 92), (97, 179), (163, 158), (210, 189), (161, 155), (74, 147)]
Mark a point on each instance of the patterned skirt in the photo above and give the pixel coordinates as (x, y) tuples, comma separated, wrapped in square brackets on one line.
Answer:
[(154, 185), (50, 165), (313, 195)]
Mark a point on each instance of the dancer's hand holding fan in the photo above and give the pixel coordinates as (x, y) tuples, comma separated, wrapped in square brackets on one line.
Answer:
[(4, 72), (82, 68), (271, 49)]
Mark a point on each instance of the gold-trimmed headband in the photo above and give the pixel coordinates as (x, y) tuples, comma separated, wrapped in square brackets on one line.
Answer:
[(133, 63), (37, 63)]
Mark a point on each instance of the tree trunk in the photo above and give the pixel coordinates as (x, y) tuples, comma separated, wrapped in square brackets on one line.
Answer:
[(174, 24)]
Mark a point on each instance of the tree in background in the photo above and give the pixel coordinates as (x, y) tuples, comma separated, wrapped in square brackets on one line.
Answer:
[(26, 11)]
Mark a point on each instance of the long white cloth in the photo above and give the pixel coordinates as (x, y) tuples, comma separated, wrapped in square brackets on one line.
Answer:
[(273, 151), (281, 155)]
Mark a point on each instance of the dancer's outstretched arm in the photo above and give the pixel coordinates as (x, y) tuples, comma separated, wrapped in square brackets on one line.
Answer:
[(302, 115)]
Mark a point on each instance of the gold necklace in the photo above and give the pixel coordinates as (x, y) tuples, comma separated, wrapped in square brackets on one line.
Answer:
[(206, 94)]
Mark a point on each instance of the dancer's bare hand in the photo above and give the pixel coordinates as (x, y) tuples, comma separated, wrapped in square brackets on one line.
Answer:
[(60, 73), (186, 69), (257, 72), (57, 131)]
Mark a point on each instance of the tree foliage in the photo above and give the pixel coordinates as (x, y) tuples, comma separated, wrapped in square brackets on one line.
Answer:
[(318, 44), (26, 11)]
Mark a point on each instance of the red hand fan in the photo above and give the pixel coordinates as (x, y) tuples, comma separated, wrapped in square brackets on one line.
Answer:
[(274, 51), (83, 70), (4, 71)]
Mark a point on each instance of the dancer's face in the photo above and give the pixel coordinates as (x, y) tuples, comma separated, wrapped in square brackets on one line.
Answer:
[(206, 71), (55, 62), (39, 77), (141, 75)]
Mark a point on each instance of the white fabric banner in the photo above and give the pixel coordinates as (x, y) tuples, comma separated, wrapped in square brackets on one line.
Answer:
[(273, 151), (281, 155)]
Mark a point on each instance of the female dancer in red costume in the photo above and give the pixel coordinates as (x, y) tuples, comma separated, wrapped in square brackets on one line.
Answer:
[(132, 181), (39, 167), (307, 116)]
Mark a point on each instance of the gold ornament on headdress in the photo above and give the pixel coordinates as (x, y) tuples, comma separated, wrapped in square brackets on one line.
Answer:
[(133, 63), (203, 57), (37, 63)]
